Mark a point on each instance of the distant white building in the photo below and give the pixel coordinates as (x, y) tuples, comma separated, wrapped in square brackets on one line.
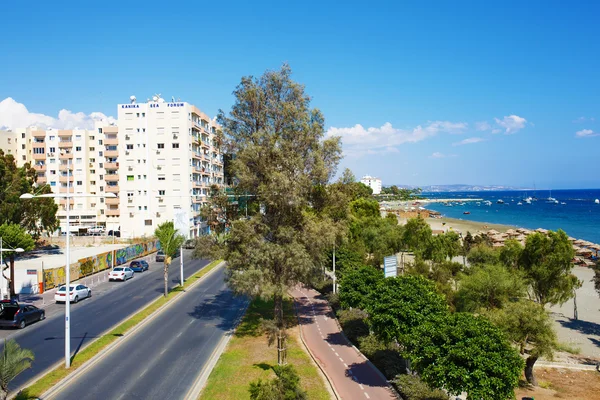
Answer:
[(373, 183)]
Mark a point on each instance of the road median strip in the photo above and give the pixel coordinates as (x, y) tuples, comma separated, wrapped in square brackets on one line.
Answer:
[(86, 357)]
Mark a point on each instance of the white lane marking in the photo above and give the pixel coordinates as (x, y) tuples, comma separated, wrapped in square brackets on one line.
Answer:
[(367, 395), (361, 386), (332, 349), (336, 354), (328, 344), (191, 322), (180, 333), (341, 360), (345, 365), (163, 352), (354, 378), (144, 373)]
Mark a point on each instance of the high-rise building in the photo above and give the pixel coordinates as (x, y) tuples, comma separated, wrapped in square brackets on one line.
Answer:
[(167, 159), (64, 159), (373, 183)]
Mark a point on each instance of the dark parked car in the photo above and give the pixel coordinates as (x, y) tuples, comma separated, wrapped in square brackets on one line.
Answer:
[(139, 266), (17, 315), (114, 233), (160, 256)]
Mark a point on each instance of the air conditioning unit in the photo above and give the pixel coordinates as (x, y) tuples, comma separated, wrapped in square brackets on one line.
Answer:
[(158, 214), (160, 199), (157, 151), (127, 137), (159, 167), (130, 200), (130, 168), (130, 215), (127, 152), (91, 165)]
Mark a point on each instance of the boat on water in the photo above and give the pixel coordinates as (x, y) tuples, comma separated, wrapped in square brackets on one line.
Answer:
[(487, 203), (551, 199), (563, 203), (519, 204), (467, 212), (597, 201), (500, 201)]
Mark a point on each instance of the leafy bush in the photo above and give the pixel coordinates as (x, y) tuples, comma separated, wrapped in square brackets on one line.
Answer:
[(353, 323), (411, 387), (285, 386), (322, 286), (334, 300), (387, 358)]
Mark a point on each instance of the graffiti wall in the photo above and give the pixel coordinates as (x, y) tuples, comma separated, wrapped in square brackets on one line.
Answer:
[(91, 265)]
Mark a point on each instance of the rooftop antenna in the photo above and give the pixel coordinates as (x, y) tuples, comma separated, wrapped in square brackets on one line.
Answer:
[(133, 99), (172, 99)]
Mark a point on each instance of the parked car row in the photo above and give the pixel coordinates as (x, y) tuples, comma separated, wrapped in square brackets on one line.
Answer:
[(15, 315)]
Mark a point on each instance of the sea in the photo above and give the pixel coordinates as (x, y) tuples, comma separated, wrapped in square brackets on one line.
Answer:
[(579, 216)]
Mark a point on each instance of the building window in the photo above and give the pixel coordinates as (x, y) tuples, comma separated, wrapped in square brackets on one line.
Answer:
[(39, 150), (93, 183), (130, 178), (77, 137), (79, 183), (101, 165), (99, 131), (175, 145), (145, 208), (161, 178), (129, 147), (100, 153), (78, 148), (101, 177), (161, 192), (51, 150), (161, 145), (92, 149), (100, 141), (148, 222), (22, 136), (52, 183)]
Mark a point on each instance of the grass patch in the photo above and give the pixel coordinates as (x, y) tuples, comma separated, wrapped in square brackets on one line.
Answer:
[(569, 348), (248, 357), (52, 378)]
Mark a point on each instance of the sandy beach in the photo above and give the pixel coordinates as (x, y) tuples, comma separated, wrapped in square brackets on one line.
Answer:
[(458, 225)]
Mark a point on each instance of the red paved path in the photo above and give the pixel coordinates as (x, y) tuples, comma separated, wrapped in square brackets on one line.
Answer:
[(352, 375)]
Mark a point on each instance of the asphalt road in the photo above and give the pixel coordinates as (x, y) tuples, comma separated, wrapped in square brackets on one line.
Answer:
[(111, 303), (163, 360)]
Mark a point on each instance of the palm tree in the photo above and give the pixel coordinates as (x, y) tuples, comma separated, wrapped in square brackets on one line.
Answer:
[(14, 361), (170, 241)]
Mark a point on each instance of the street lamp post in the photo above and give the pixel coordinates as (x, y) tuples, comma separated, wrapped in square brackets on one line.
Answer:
[(68, 197), (2, 250)]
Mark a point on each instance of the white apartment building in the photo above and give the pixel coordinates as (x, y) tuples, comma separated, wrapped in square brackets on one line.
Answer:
[(373, 183), (165, 159), (64, 159)]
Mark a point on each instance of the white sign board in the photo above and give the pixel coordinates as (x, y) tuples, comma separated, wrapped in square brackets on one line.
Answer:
[(181, 222), (390, 266)]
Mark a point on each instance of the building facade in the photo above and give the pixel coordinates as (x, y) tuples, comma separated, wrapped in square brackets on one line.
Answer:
[(167, 157), (373, 183)]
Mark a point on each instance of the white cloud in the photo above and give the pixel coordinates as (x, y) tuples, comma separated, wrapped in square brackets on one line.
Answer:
[(358, 140), (437, 154), (15, 115), (482, 126), (468, 141), (496, 130), (583, 119), (511, 124), (586, 133)]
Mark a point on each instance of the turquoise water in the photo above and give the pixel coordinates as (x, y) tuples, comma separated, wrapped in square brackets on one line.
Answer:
[(579, 217)]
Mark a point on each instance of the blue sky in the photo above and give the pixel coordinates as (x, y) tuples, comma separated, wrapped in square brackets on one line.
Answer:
[(404, 84)]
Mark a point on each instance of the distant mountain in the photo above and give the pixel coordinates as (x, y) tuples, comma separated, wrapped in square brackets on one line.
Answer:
[(463, 188)]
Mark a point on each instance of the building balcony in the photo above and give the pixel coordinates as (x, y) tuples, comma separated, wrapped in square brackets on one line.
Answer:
[(39, 167), (63, 133), (65, 179), (111, 165), (112, 201), (113, 212), (65, 144), (196, 184), (111, 141), (63, 190), (111, 177), (110, 129), (111, 153), (41, 145), (37, 156), (63, 202), (66, 156), (41, 180), (112, 189), (38, 134)]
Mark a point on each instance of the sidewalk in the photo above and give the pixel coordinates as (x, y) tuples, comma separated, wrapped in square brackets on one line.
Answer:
[(351, 374)]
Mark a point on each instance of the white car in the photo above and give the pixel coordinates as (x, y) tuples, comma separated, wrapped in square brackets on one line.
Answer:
[(76, 293), (120, 274)]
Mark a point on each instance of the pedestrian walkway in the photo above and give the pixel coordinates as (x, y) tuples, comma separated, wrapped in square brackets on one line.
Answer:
[(351, 374)]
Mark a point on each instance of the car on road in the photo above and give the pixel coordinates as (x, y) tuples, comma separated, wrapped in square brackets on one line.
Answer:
[(139, 266), (15, 315), (189, 244), (160, 256), (120, 274), (76, 293), (114, 233)]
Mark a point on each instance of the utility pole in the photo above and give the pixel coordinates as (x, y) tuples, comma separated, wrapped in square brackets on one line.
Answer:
[(181, 263), (334, 277)]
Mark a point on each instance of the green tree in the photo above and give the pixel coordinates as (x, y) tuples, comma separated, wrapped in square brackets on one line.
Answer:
[(510, 253), (547, 263), (281, 154), (14, 360), (357, 284), (461, 352), (13, 237), (34, 216), (596, 278), (467, 244), (482, 254), (452, 244), (170, 242), (417, 235), (489, 286), (530, 328), (398, 305)]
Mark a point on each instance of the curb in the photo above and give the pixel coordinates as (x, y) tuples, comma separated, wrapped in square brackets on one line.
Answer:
[(202, 378), (312, 356), (369, 363), (56, 389), (567, 366)]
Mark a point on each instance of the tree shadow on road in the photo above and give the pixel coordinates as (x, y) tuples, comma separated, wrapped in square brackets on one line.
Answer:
[(365, 374), (215, 308), (337, 338), (585, 327)]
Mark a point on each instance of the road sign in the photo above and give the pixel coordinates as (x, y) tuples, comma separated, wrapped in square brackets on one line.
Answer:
[(390, 266)]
